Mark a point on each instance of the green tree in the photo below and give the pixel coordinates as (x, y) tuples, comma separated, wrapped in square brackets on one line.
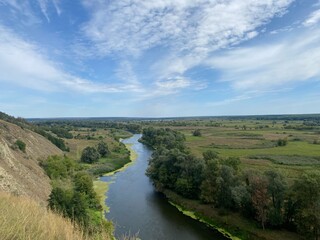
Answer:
[(58, 167), (276, 189), (282, 142), (103, 149), (226, 181), (209, 183), (90, 155), (260, 198), (83, 184), (79, 206), (60, 201), (197, 133), (210, 155), (307, 197)]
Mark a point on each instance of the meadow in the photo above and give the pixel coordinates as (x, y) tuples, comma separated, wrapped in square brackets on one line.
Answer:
[(255, 143)]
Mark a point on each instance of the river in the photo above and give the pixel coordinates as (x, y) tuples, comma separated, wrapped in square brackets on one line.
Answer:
[(136, 208)]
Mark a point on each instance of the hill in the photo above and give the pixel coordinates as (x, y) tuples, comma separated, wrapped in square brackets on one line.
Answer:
[(23, 218), (20, 152)]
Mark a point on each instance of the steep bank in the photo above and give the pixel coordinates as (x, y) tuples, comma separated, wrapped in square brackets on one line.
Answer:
[(20, 172), (23, 218)]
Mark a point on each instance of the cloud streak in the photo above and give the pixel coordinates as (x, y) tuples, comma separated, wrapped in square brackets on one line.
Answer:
[(24, 64), (273, 65), (313, 19)]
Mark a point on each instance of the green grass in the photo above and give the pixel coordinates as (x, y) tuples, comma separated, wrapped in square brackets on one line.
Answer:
[(293, 148)]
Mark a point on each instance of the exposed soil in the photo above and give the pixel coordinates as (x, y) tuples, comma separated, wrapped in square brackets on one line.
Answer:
[(20, 172)]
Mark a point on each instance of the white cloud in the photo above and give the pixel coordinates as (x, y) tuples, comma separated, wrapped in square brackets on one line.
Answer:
[(56, 4), (21, 10), (313, 19), (44, 8), (26, 10), (23, 64), (195, 26), (187, 30), (271, 66), (174, 83)]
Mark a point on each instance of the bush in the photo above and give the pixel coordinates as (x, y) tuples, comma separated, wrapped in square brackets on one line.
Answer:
[(103, 149), (21, 145), (282, 142), (90, 155), (58, 167), (197, 133)]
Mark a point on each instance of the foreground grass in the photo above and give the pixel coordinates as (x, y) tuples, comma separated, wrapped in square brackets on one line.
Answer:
[(21, 218)]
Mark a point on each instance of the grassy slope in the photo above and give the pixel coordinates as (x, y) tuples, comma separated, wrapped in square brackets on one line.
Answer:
[(22, 218)]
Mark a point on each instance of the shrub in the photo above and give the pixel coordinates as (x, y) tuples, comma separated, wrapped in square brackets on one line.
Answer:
[(21, 145), (282, 142), (90, 155), (197, 133)]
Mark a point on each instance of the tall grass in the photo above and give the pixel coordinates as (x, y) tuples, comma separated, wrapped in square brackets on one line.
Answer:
[(23, 219)]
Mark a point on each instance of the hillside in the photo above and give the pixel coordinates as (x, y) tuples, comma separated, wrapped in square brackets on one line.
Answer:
[(20, 172), (36, 223)]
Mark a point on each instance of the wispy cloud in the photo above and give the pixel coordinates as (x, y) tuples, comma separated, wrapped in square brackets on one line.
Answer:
[(28, 10), (44, 8), (188, 31), (273, 65), (313, 19), (194, 26), (24, 64)]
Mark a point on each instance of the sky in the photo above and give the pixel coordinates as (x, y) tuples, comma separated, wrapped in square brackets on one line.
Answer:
[(159, 58)]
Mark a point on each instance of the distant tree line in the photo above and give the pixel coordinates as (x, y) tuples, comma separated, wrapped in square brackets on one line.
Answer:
[(266, 197), (56, 125)]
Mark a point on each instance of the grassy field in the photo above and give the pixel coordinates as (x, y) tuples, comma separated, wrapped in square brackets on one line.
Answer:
[(84, 137), (255, 143)]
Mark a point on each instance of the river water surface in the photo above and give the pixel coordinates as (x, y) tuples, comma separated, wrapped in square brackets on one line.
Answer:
[(136, 208)]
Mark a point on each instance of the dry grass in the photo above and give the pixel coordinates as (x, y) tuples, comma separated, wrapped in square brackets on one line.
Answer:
[(23, 219)]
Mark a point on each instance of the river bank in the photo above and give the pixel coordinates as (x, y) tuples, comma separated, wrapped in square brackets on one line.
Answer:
[(231, 225), (102, 187)]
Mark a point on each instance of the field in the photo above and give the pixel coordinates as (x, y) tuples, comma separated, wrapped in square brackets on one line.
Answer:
[(84, 137), (255, 142)]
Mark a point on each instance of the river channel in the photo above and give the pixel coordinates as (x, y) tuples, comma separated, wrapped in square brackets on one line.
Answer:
[(136, 208)]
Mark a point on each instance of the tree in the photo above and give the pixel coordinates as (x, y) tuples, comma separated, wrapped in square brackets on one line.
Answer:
[(210, 155), (307, 197), (60, 201), (209, 183), (103, 149), (282, 142), (58, 167), (226, 181), (90, 155), (276, 189), (260, 198), (197, 133)]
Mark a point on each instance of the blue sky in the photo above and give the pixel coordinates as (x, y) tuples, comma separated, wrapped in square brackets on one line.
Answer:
[(142, 58)]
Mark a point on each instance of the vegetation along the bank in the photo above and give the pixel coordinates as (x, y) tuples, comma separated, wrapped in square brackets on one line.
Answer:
[(220, 182)]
